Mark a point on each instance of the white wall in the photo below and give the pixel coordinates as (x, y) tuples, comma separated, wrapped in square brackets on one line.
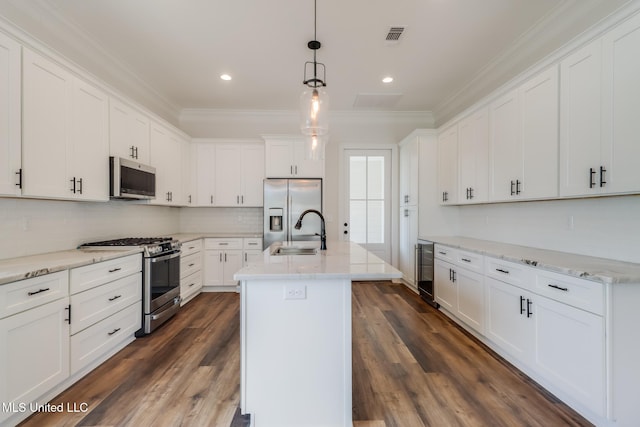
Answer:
[(30, 227), (607, 227)]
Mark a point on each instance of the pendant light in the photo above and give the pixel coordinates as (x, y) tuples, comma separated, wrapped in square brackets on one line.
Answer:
[(314, 101)]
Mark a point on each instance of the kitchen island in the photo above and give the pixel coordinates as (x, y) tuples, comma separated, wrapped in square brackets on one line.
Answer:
[(295, 321)]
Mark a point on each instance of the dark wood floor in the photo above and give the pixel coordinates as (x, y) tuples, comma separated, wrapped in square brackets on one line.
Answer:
[(412, 367)]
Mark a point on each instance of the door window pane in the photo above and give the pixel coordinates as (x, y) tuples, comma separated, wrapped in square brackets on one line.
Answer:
[(358, 177), (358, 221), (375, 221), (375, 177)]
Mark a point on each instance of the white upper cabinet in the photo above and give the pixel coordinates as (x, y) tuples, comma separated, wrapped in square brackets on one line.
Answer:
[(621, 125), (10, 117), (447, 166), (524, 140), (285, 157), (65, 145), (204, 161), (409, 157), (473, 158), (166, 157), (239, 172), (128, 132), (581, 130)]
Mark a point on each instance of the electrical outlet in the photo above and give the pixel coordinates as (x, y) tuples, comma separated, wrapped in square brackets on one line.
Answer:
[(295, 291)]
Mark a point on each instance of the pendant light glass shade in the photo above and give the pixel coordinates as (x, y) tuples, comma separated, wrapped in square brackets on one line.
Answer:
[(314, 109), (314, 147)]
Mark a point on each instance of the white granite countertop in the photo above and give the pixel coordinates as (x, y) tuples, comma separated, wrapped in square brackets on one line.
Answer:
[(597, 269), (342, 260), (186, 237), (14, 269)]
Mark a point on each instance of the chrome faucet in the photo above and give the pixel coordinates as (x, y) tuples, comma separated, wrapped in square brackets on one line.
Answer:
[(323, 234)]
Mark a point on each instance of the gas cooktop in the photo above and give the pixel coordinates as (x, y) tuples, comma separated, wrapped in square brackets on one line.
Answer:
[(152, 246), (130, 241)]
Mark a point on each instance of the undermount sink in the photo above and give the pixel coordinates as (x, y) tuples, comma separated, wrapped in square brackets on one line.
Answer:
[(294, 250)]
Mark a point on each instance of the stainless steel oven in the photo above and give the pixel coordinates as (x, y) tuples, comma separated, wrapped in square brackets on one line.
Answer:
[(160, 276), (425, 271)]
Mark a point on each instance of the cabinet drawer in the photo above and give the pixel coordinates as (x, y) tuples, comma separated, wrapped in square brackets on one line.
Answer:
[(444, 253), (470, 260), (190, 285), (579, 293), (190, 264), (235, 243), (510, 272), (102, 301), (191, 247), (25, 294), (252, 243), (101, 338), (89, 276)]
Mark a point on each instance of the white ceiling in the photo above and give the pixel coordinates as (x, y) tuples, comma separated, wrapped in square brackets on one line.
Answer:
[(179, 48)]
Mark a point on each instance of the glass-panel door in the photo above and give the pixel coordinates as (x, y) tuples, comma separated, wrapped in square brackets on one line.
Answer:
[(367, 205)]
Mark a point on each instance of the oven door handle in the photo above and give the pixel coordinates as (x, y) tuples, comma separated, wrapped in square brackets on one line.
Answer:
[(165, 257)]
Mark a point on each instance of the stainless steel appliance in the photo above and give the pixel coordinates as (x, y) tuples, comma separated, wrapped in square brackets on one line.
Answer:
[(160, 276), (425, 271), (284, 201), (131, 180)]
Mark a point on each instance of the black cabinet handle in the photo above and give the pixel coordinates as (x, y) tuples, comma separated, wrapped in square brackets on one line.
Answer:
[(225, 257), (19, 173), (115, 269), (68, 308), (518, 183), (442, 253), (212, 199), (466, 260), (37, 292), (560, 288), (191, 265), (602, 172), (113, 332), (133, 153), (445, 196), (521, 306), (80, 188), (450, 275), (470, 193), (499, 270), (73, 181), (592, 183), (136, 152), (529, 312), (115, 297)]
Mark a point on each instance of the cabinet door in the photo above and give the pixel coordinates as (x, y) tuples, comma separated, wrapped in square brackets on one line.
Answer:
[(408, 238), (445, 286), (409, 157), (448, 166), (251, 257), (10, 116), (621, 50), (166, 157), (128, 132), (89, 147), (232, 263), (570, 351), (581, 112), (278, 159), (34, 355), (46, 108), (470, 298), (213, 267), (205, 172), (252, 174), (539, 100), (228, 175), (473, 158), (505, 148), (506, 322)]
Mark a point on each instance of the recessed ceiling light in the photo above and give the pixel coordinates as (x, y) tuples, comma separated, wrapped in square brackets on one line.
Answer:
[(225, 77), (387, 79)]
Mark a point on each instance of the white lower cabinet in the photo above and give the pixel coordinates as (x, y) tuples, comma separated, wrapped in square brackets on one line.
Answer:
[(251, 250), (102, 307), (34, 355), (191, 270), (223, 257)]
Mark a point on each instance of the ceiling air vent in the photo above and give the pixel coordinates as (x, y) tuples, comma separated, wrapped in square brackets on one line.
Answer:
[(393, 36)]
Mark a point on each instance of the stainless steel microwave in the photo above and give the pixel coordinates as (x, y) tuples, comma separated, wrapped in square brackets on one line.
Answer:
[(131, 180)]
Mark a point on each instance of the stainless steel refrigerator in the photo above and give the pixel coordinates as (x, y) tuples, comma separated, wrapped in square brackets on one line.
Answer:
[(284, 201)]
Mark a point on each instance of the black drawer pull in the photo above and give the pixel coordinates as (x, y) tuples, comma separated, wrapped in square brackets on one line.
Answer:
[(192, 284), (115, 298), (191, 265), (39, 291), (466, 260), (499, 270), (442, 253), (560, 288), (113, 332), (115, 269)]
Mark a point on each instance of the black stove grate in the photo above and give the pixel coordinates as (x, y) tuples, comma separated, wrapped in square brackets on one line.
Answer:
[(131, 241)]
